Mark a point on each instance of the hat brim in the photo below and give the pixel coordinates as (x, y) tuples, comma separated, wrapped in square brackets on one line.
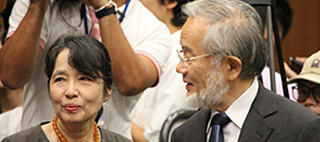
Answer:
[(312, 77)]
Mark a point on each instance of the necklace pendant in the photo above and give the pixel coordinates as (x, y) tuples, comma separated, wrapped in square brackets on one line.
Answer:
[(75, 29)]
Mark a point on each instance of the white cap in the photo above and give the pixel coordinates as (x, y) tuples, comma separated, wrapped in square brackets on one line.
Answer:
[(310, 71)]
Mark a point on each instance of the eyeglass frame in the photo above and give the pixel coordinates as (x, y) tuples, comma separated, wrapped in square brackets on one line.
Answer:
[(310, 90), (185, 60)]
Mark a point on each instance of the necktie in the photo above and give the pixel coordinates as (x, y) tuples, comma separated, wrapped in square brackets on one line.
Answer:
[(217, 123)]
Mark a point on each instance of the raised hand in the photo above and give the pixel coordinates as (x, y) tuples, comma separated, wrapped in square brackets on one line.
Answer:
[(42, 3), (96, 3)]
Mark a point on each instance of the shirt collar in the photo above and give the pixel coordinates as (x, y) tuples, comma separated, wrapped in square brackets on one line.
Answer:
[(239, 109)]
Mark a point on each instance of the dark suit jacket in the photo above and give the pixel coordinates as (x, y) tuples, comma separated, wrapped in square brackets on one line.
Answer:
[(271, 118)]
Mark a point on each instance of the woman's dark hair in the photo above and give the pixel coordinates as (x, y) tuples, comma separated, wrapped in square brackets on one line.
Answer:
[(86, 54)]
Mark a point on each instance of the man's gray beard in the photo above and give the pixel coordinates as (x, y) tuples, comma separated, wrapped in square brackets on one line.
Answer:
[(212, 95)]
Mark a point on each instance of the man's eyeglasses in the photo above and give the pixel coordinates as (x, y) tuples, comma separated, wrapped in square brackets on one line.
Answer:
[(301, 93), (185, 60)]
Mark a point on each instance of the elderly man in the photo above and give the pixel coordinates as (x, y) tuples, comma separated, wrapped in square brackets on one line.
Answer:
[(223, 52), (307, 91)]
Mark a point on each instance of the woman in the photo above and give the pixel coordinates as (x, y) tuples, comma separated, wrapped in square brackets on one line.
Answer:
[(80, 79)]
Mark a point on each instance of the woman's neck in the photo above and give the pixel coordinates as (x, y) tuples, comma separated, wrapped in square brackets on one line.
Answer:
[(77, 132), (74, 132)]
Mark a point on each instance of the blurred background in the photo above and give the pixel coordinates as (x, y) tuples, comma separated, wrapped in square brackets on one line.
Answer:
[(303, 38)]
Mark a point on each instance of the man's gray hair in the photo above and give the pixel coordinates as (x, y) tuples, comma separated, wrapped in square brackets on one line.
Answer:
[(234, 29)]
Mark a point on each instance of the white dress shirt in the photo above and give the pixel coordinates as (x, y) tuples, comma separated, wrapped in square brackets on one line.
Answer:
[(237, 112)]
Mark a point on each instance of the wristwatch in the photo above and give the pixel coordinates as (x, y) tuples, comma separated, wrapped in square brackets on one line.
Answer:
[(105, 10)]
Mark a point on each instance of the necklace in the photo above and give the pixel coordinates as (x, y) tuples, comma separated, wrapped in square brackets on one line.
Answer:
[(75, 28), (96, 134)]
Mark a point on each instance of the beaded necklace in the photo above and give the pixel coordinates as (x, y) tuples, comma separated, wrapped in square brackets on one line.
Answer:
[(63, 139)]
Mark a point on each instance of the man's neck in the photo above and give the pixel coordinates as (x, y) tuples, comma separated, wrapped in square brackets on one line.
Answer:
[(237, 88)]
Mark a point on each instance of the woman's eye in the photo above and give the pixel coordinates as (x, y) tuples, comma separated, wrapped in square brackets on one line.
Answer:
[(59, 79), (86, 78)]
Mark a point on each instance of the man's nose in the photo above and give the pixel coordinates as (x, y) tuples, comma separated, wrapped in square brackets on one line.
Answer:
[(181, 69)]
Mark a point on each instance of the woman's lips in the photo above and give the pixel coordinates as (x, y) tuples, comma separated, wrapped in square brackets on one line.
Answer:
[(71, 107)]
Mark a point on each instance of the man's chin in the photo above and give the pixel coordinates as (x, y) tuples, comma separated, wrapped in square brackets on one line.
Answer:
[(198, 100), (188, 94), (194, 101)]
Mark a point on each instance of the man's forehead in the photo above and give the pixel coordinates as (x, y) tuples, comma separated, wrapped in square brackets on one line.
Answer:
[(192, 33), (194, 26)]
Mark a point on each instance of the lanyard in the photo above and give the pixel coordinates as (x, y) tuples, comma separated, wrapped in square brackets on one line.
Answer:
[(85, 18), (84, 12), (124, 12)]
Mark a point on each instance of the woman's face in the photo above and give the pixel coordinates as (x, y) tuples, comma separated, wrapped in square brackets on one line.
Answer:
[(76, 97)]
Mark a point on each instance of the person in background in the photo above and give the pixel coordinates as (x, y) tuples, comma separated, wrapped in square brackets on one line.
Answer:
[(80, 80), (223, 52), (9, 99), (138, 43), (10, 110), (284, 20), (10, 102), (290, 73), (157, 103), (307, 84), (283, 14)]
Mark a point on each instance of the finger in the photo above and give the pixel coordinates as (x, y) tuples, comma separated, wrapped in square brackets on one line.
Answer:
[(301, 59), (289, 72)]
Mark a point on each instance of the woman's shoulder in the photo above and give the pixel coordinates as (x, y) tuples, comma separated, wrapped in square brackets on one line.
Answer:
[(107, 135), (32, 134)]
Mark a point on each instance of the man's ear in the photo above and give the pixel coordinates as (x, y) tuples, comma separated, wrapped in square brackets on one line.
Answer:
[(234, 67), (107, 95), (171, 5)]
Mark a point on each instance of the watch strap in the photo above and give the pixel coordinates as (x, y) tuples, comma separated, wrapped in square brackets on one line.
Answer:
[(105, 11)]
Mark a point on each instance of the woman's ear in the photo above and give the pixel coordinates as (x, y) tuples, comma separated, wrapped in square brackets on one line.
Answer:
[(234, 67), (171, 5), (107, 95)]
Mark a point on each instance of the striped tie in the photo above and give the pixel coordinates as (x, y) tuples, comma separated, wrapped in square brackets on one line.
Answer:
[(217, 123)]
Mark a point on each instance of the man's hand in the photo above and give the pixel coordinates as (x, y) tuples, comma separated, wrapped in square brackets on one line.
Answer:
[(301, 59), (289, 72), (42, 3)]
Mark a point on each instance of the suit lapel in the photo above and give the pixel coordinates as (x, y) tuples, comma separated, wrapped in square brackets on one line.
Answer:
[(199, 126), (255, 127)]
